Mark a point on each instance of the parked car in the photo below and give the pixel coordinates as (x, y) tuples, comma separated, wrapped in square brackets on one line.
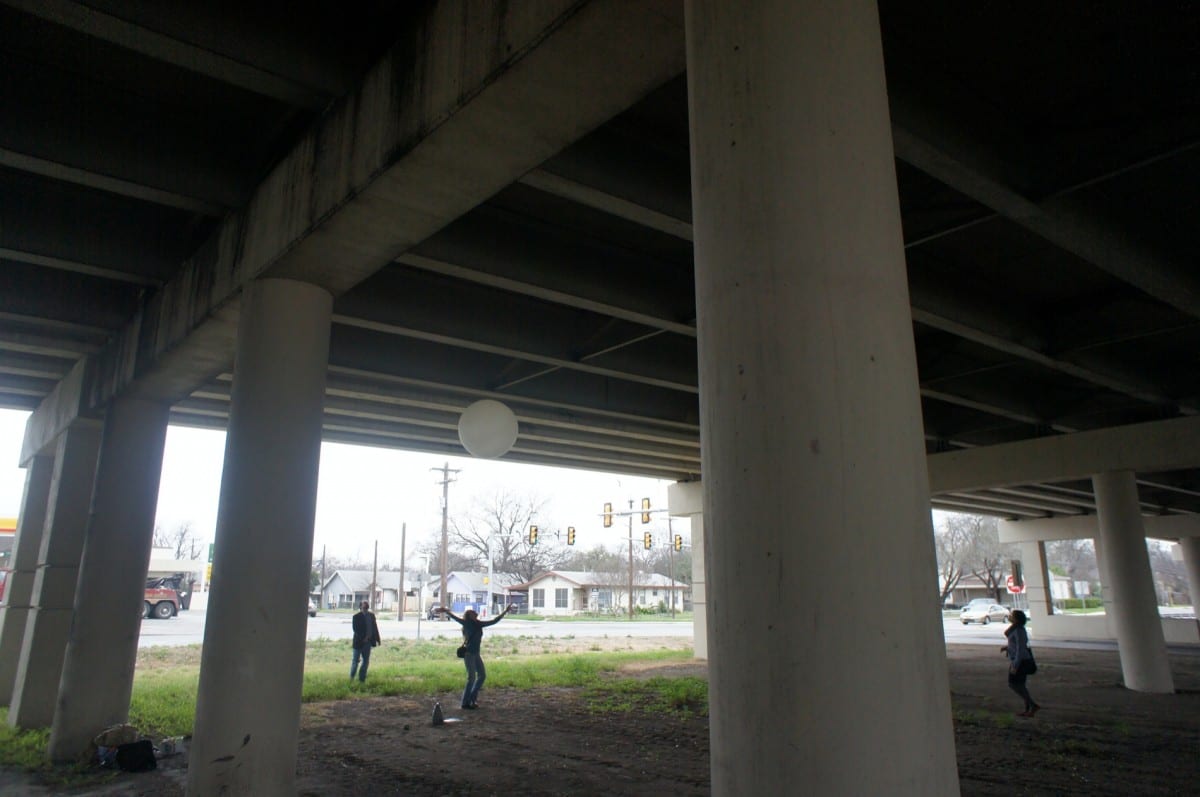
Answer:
[(312, 608), (983, 611), (433, 612)]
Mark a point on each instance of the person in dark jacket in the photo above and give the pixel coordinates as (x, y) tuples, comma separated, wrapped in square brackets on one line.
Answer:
[(472, 630), (1019, 659), (366, 636)]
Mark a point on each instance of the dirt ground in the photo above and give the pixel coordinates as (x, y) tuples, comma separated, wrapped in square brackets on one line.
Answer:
[(1092, 737)]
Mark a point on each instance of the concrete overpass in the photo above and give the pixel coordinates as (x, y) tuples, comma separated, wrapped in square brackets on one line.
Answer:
[(874, 257)]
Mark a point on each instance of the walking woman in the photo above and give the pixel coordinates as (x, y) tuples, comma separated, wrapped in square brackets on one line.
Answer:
[(1020, 661), (472, 630)]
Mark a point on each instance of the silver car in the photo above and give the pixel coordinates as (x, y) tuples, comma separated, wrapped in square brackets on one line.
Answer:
[(982, 610)]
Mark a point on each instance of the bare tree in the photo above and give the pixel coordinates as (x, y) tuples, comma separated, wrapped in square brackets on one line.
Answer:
[(985, 556), (183, 540), (1076, 557), (1170, 576), (951, 543), (504, 518)]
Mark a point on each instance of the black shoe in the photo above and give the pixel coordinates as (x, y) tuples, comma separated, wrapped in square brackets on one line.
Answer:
[(471, 707)]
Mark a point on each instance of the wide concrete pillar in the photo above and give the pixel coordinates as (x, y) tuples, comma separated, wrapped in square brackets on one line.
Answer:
[(1129, 598), (685, 500), (19, 590), (1033, 568), (1191, 562), (102, 648), (251, 670), (35, 688), (815, 480), (699, 589)]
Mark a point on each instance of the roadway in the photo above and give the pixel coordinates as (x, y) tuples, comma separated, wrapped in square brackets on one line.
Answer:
[(188, 629)]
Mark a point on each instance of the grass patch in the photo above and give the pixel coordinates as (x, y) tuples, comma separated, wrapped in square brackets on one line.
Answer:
[(164, 688), (26, 750), (681, 697), (23, 749), (984, 719)]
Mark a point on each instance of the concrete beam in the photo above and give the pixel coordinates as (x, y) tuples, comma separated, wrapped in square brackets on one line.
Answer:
[(565, 188), (545, 294), (516, 354), (1145, 447), (428, 135), (1159, 527), (174, 51), (75, 266), (939, 145), (110, 183)]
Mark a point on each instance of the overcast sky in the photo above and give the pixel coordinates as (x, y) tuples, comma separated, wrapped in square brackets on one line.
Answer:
[(366, 493)]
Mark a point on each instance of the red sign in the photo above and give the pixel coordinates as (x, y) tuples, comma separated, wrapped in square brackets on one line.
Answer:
[(1013, 587)]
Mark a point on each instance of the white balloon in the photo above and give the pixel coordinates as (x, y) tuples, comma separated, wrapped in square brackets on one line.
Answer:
[(487, 429)]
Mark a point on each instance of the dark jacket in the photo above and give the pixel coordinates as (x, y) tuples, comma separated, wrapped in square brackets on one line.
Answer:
[(366, 630)]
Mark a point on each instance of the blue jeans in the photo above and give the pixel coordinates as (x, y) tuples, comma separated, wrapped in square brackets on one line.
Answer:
[(365, 653), (476, 675)]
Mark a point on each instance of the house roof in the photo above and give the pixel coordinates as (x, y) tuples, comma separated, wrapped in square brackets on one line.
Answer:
[(584, 578), (360, 580)]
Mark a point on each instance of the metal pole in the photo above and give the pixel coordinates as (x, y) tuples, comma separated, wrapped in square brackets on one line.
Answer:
[(374, 574), (420, 600), (403, 595), (671, 565), (630, 558), (488, 613), (445, 469)]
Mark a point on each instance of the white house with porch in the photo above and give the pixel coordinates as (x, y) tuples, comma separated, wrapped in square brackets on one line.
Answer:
[(565, 592), (468, 590), (345, 589)]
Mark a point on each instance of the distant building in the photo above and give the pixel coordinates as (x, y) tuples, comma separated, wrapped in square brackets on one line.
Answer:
[(469, 590), (563, 592), (346, 589)]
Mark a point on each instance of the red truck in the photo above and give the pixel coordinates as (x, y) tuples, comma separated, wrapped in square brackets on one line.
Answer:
[(164, 597), (160, 601)]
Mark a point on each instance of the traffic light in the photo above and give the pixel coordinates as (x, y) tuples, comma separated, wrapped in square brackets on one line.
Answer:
[(607, 515), (533, 535), (570, 535), (646, 511), (647, 540), (679, 542)]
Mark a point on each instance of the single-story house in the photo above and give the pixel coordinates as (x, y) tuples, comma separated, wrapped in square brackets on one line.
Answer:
[(469, 590), (346, 589), (563, 592)]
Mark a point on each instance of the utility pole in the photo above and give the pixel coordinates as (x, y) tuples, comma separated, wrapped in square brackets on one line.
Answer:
[(671, 565), (403, 596), (631, 559), (374, 574), (321, 586), (445, 482)]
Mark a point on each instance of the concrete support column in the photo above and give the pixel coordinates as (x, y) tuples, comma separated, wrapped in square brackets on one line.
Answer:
[(811, 431), (19, 591), (251, 671), (35, 689), (1191, 562), (1129, 598), (699, 589), (685, 500), (112, 577), (1034, 570)]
